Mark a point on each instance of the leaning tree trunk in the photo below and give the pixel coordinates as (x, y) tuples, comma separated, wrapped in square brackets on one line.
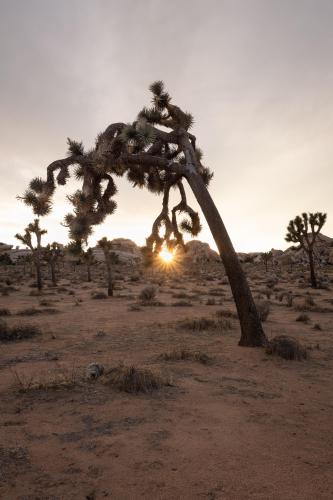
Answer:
[(252, 333), (312, 270)]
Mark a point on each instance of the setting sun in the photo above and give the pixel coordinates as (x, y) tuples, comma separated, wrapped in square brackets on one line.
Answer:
[(166, 255)]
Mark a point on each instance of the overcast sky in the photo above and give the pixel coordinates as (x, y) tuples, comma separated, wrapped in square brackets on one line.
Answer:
[(256, 74)]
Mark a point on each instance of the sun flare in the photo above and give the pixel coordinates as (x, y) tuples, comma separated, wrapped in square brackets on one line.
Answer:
[(166, 255)]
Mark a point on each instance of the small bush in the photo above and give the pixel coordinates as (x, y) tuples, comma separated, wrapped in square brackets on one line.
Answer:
[(99, 296), (317, 326), (286, 347), (29, 311), (226, 313), (263, 308), (148, 294), (184, 354), (5, 312), (135, 380), (304, 318), (17, 332), (200, 324), (182, 303), (134, 308)]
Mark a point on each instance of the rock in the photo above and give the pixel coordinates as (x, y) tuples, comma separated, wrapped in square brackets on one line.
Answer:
[(197, 251)]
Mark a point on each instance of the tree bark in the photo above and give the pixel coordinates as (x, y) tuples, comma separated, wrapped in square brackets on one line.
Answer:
[(38, 272), (312, 270), (252, 333), (110, 280), (53, 274)]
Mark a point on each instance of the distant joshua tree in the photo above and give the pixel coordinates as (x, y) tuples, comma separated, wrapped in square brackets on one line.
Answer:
[(267, 257), (110, 258), (304, 230), (51, 253), (34, 229), (159, 160)]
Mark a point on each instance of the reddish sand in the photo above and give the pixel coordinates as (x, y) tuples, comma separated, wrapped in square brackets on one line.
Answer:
[(245, 426)]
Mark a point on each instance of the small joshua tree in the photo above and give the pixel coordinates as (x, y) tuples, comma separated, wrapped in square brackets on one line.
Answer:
[(52, 252), (305, 230), (34, 229), (155, 151), (110, 258)]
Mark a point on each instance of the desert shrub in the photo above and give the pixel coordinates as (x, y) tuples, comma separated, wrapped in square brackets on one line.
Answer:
[(134, 380), (304, 318), (181, 295), (272, 282), (55, 380), (134, 308), (148, 294), (17, 332), (99, 296), (182, 303), (4, 311), (317, 326), (199, 324), (217, 292), (29, 311), (263, 308), (226, 313), (286, 347), (184, 354)]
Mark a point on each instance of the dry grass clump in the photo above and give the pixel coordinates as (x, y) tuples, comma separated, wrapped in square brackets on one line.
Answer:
[(182, 303), (32, 311), (199, 324), (17, 332), (4, 311), (148, 294), (226, 313), (184, 354), (50, 381), (263, 308), (99, 296), (181, 295), (304, 318), (217, 292), (135, 380), (286, 347)]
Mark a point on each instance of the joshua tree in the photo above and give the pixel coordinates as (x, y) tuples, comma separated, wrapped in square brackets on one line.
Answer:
[(51, 254), (305, 230), (159, 160), (266, 257), (110, 258), (26, 238)]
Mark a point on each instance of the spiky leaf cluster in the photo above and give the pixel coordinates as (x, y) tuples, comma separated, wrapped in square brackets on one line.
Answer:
[(304, 229), (142, 150)]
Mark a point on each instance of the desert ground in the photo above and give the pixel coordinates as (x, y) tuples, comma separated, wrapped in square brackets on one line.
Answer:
[(218, 421)]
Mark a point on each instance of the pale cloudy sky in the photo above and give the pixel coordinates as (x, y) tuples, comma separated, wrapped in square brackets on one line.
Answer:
[(256, 74)]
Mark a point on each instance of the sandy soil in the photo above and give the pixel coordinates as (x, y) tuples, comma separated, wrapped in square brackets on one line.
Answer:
[(244, 426)]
